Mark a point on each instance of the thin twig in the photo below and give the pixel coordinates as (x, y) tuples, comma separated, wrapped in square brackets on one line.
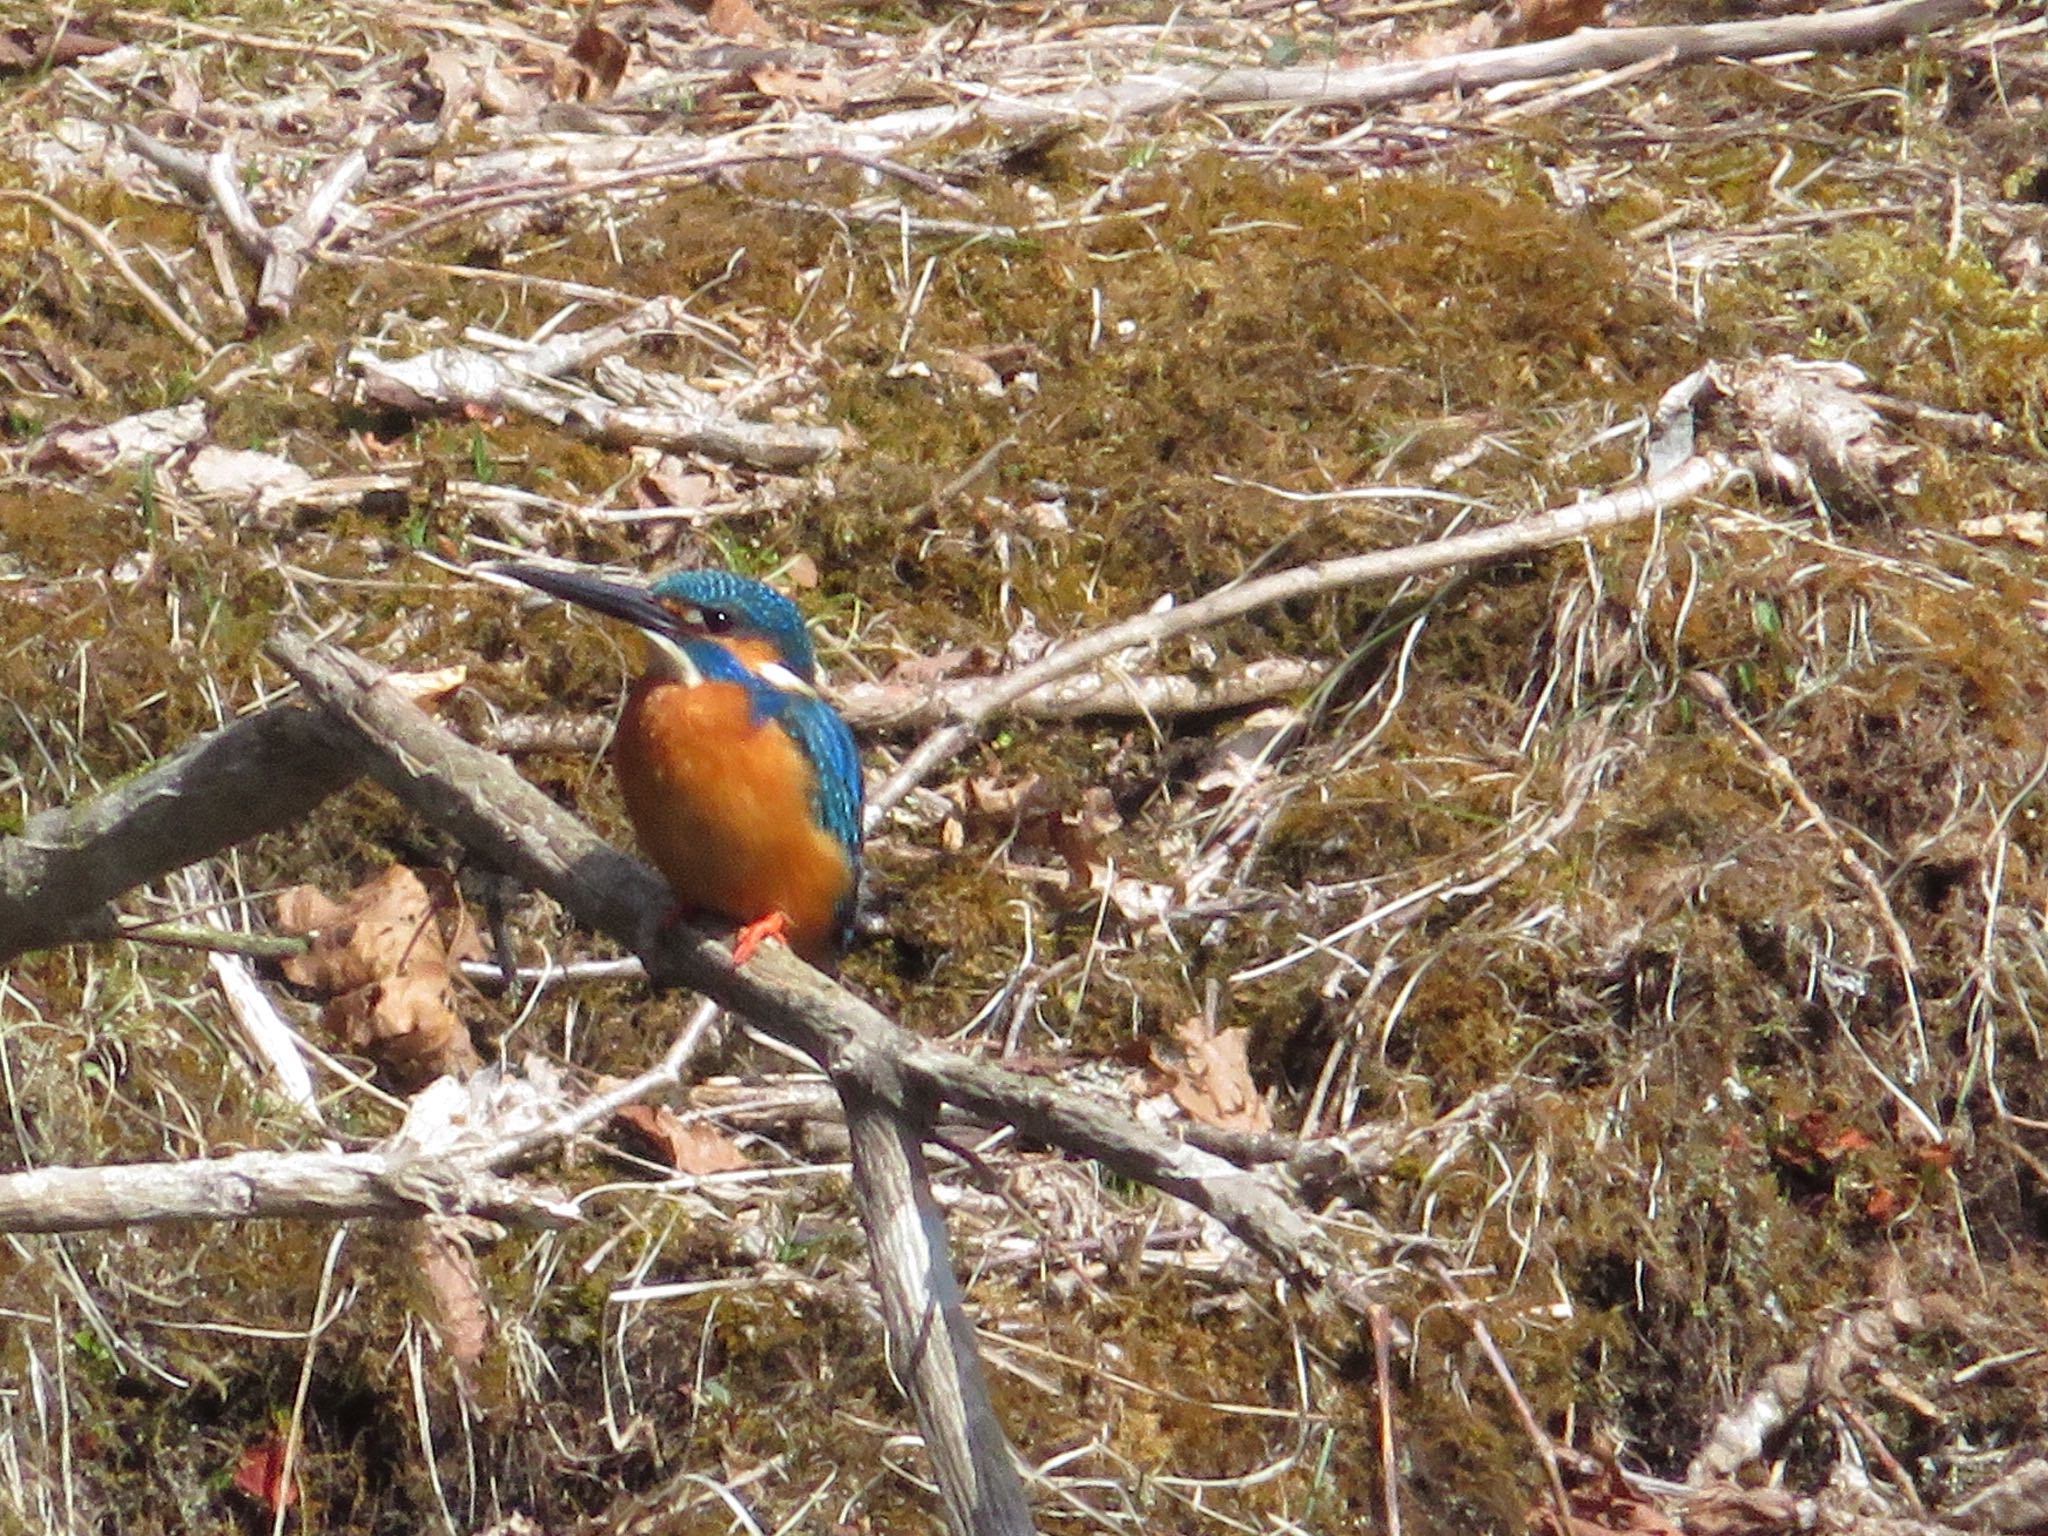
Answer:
[(158, 305), (1693, 477), (1710, 691)]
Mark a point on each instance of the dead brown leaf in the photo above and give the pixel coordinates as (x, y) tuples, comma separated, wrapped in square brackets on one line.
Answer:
[(817, 90), (385, 958), (454, 1291), (260, 1473), (601, 56), (1211, 1079), (1536, 21), (739, 20), (660, 1135)]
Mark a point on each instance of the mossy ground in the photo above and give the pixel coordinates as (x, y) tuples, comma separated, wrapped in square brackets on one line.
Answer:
[(1689, 1167)]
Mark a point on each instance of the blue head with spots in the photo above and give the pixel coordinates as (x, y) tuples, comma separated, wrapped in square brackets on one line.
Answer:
[(751, 620)]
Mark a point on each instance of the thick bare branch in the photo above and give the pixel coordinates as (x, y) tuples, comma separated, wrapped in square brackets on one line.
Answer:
[(926, 1316), (333, 1186), (252, 777)]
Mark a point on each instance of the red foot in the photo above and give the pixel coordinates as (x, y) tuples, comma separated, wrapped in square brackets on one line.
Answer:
[(774, 926)]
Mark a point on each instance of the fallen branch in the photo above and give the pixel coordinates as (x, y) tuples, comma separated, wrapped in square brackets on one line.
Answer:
[(1379, 85), (884, 706), (255, 776), (331, 1186), (688, 420), (280, 252), (1694, 476)]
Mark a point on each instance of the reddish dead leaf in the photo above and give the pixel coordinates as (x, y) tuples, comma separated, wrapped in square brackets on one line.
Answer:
[(261, 1474), (1935, 1159), (1212, 1078), (602, 57), (738, 19), (660, 1135), (385, 958), (1842, 1144), (454, 1291), (1884, 1204), (1536, 21)]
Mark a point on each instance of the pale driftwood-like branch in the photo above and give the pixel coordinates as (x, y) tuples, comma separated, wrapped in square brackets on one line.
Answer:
[(1378, 85), (898, 707), (281, 252), (1852, 1344), (259, 774), (925, 1315), (1695, 476), (334, 1186), (688, 420)]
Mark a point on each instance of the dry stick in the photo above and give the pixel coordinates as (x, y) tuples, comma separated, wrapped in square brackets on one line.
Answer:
[(1710, 691), (1380, 1321), (255, 776), (158, 305), (1867, 26), (669, 1072), (1874, 1443), (327, 1186), (1694, 477), (897, 707), (1468, 1311)]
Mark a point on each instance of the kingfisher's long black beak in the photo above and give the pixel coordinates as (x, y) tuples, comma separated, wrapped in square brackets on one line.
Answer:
[(665, 651), (613, 599)]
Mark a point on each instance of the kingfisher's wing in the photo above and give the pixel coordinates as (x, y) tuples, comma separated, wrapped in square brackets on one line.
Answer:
[(822, 737), (837, 801), (816, 728), (813, 725)]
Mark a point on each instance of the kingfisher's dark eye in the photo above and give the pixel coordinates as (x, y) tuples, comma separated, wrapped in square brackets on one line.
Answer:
[(717, 621)]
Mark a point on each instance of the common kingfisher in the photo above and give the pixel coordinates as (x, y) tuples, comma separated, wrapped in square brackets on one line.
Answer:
[(742, 783)]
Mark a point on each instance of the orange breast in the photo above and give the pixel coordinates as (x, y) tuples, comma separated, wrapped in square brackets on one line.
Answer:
[(722, 807)]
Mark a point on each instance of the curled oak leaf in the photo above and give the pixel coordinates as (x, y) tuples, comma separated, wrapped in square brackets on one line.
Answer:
[(660, 1135), (454, 1294), (1211, 1078), (385, 958)]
